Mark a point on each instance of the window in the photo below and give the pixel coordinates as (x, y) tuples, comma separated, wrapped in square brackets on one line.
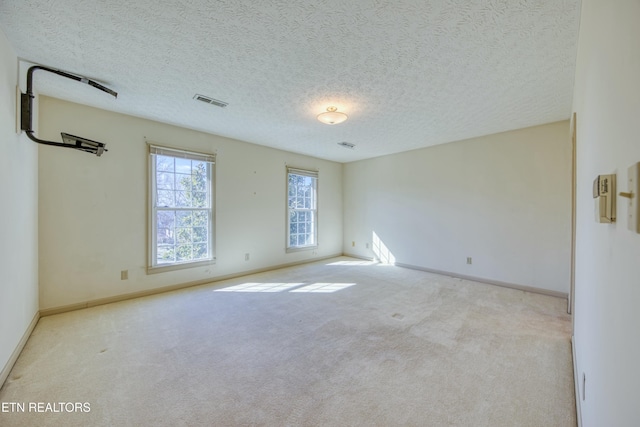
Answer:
[(302, 215), (181, 201)]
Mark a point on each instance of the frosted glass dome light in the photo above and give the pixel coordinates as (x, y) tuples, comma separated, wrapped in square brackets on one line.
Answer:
[(332, 116)]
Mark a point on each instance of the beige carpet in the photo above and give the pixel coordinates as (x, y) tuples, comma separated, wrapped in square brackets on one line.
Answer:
[(333, 343)]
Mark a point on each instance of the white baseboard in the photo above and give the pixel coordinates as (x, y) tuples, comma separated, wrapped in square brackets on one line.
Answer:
[(4, 374), (132, 295), (576, 380), (548, 292), (358, 256)]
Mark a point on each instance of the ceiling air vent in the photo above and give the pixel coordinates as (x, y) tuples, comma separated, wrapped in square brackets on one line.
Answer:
[(211, 101), (348, 145)]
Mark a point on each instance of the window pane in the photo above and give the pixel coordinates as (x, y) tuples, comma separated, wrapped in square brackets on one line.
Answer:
[(200, 218), (182, 199), (165, 255), (199, 200), (200, 251), (183, 235), (183, 166), (199, 180), (183, 218), (183, 182), (164, 164), (197, 165), (165, 219), (164, 181), (199, 173), (165, 198), (184, 253), (199, 234), (165, 235)]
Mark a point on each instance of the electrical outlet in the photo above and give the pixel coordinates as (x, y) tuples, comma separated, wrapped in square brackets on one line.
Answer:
[(246, 257), (124, 275), (469, 260), (367, 245), (353, 244)]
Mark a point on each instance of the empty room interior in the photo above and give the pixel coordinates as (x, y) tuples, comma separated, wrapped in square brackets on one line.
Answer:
[(319, 213)]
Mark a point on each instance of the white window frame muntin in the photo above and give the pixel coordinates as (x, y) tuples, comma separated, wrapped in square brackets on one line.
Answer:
[(312, 174), (152, 247)]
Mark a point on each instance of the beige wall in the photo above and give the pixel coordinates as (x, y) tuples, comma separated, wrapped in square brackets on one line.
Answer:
[(18, 216), (93, 218), (503, 200), (607, 104)]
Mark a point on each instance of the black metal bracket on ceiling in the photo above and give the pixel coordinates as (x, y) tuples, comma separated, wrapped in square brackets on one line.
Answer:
[(68, 141)]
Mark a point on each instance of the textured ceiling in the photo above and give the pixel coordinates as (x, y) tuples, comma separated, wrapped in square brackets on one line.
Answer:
[(409, 74)]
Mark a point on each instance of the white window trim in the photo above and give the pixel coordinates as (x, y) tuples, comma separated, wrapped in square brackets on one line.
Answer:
[(313, 174), (151, 203)]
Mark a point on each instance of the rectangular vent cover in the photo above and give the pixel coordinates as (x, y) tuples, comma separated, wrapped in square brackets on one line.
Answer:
[(209, 100), (348, 145)]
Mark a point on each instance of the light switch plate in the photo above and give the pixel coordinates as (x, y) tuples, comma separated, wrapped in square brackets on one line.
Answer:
[(633, 215)]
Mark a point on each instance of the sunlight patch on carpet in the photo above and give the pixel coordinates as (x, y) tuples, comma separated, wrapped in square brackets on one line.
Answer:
[(287, 287), (324, 287), (260, 287), (353, 263)]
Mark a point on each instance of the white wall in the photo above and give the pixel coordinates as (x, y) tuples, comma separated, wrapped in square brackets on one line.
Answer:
[(607, 104), (18, 215), (93, 218), (503, 200)]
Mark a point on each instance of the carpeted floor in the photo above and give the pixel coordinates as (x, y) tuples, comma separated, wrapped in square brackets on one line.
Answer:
[(334, 343)]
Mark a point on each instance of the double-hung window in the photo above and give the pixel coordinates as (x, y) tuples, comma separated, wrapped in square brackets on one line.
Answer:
[(181, 208), (302, 215)]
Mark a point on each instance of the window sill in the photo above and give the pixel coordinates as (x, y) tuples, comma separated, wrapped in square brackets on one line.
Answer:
[(301, 248), (180, 266)]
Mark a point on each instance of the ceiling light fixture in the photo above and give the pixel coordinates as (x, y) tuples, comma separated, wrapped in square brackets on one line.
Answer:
[(332, 116)]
